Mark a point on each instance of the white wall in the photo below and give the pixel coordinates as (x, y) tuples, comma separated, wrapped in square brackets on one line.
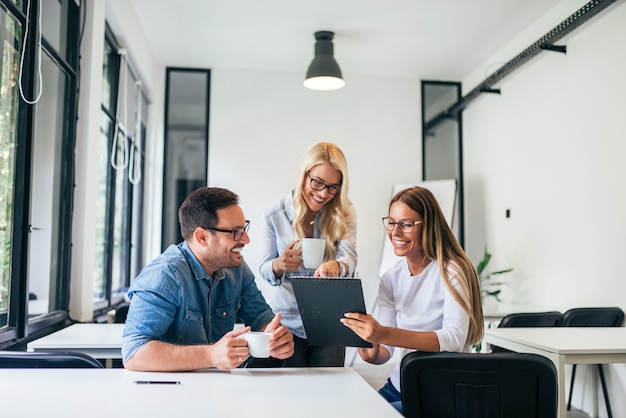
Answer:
[(120, 15), (262, 122), (552, 149), (87, 133)]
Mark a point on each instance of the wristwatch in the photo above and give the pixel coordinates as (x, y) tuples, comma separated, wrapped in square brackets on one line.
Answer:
[(342, 269)]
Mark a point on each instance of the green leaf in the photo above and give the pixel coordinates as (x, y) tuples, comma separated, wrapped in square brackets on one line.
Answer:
[(490, 284), (501, 271), (483, 263), (489, 288)]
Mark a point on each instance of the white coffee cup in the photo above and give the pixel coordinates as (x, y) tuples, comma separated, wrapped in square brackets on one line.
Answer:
[(258, 343), (313, 250)]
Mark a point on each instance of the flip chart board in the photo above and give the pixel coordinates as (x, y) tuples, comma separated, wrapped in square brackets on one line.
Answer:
[(445, 193)]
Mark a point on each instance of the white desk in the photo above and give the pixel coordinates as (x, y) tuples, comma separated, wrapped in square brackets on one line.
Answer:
[(258, 393), (563, 345), (101, 341)]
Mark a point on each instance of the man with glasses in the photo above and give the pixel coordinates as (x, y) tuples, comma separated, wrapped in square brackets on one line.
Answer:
[(184, 304)]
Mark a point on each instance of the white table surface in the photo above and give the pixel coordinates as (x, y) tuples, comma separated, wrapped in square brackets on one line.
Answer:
[(564, 345), (102, 341), (254, 393)]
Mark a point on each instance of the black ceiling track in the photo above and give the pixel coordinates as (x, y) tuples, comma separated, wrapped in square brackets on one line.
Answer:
[(546, 43)]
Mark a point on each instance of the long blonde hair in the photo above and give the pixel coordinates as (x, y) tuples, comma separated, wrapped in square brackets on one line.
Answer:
[(439, 243), (335, 215)]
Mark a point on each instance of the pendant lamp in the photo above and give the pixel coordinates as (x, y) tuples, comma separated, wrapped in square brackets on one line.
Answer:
[(324, 73)]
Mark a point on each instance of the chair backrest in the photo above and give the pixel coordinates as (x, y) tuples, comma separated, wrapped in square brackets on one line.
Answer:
[(468, 385), (121, 312), (532, 319), (594, 317), (529, 319), (44, 360)]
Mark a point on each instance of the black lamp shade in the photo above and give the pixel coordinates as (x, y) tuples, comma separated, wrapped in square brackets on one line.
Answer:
[(324, 72)]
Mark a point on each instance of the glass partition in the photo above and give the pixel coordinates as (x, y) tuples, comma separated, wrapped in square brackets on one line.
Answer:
[(442, 140), (186, 143)]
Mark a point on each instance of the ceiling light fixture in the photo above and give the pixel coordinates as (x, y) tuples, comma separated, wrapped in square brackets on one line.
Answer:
[(324, 73)]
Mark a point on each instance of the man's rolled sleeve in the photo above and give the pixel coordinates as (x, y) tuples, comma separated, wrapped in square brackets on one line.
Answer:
[(154, 302)]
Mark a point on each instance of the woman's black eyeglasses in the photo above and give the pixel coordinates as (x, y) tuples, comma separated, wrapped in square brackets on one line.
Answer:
[(319, 185)]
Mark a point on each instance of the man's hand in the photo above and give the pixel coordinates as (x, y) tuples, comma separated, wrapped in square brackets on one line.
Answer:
[(158, 356), (281, 344), (230, 351)]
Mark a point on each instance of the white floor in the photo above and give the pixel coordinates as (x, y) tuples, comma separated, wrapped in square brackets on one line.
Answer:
[(576, 413), (375, 374)]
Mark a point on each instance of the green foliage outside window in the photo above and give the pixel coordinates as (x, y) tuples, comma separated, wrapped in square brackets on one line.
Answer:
[(8, 124)]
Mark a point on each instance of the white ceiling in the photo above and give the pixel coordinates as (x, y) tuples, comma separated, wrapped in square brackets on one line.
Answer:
[(431, 39)]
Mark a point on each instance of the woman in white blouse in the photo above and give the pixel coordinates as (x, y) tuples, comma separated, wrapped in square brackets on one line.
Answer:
[(428, 301)]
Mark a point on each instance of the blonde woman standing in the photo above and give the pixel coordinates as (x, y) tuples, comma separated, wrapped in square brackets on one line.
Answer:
[(317, 207)]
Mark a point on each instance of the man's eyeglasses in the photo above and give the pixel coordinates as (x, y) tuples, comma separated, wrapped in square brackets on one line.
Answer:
[(405, 226), (319, 185), (237, 232)]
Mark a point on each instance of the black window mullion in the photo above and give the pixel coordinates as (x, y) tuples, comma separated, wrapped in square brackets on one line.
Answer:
[(109, 228), (56, 58), (67, 194), (14, 10), (127, 228), (109, 224), (139, 220)]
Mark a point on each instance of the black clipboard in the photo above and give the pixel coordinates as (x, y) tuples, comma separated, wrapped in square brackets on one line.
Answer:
[(322, 303)]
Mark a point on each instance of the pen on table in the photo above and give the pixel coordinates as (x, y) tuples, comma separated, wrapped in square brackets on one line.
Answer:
[(157, 382)]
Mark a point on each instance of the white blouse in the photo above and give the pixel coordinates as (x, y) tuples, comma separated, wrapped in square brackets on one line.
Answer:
[(422, 303)]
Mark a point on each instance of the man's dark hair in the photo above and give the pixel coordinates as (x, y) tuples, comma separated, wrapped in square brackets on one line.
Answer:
[(200, 207)]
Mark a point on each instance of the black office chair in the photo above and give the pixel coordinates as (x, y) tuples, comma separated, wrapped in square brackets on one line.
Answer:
[(593, 317), (529, 319), (47, 360), (470, 385), (121, 312)]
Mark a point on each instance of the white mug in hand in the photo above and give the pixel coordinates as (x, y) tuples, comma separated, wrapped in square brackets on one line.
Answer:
[(258, 343), (313, 250)]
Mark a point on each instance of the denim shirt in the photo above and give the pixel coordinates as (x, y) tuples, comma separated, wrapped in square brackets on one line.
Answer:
[(277, 234), (174, 300)]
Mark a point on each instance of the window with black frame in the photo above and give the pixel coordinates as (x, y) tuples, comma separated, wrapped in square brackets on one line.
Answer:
[(38, 98), (120, 177)]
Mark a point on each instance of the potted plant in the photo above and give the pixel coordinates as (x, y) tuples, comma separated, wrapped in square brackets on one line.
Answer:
[(488, 288)]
